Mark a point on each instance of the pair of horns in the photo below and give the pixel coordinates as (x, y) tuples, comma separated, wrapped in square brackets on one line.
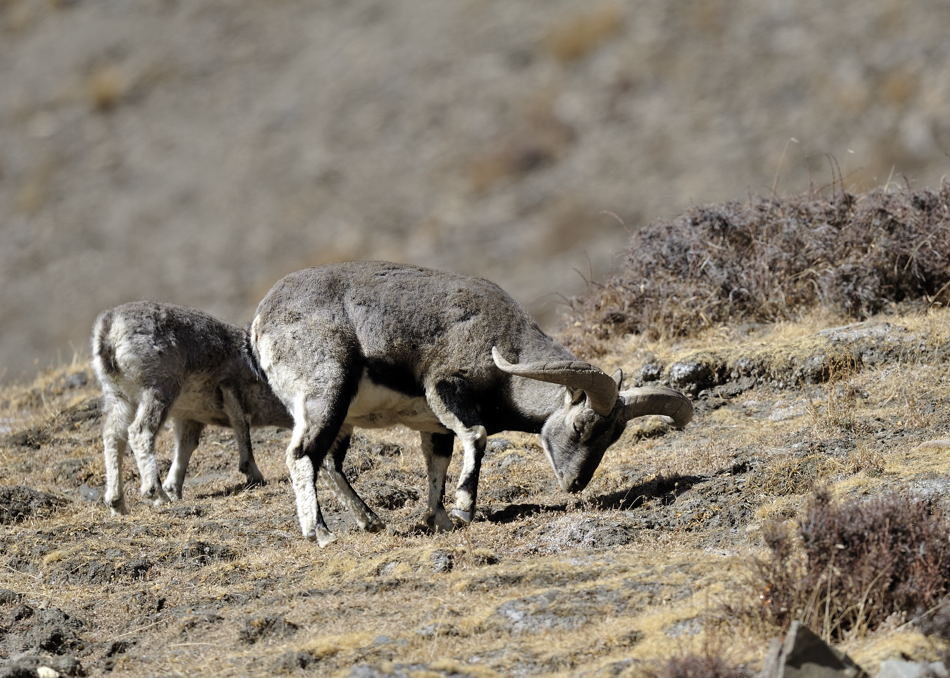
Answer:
[(600, 388)]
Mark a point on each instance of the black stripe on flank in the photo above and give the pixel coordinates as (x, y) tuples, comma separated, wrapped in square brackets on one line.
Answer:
[(394, 377), (455, 395)]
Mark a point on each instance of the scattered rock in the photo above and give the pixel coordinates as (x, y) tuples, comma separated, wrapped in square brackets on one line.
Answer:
[(578, 531), (33, 438), (437, 629), (19, 502), (898, 668), (8, 597), (685, 627), (266, 628), (407, 671), (293, 660), (442, 561), (849, 334), (790, 412), (558, 609), (650, 372), (496, 445), (691, 377), (937, 623), (202, 553), (385, 449), (89, 493), (805, 655), (38, 666)]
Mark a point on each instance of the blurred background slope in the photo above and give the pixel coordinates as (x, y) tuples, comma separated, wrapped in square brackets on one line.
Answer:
[(194, 152)]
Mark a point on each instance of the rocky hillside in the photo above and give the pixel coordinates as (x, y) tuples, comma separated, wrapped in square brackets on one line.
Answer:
[(195, 152), (669, 553)]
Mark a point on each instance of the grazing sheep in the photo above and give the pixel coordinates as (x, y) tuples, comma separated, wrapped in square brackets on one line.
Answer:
[(374, 344), (156, 361)]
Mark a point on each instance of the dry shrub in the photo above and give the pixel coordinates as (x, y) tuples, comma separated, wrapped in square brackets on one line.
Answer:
[(771, 259), (706, 665), (851, 566)]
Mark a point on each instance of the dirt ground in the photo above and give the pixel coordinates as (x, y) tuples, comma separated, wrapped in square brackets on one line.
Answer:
[(635, 569)]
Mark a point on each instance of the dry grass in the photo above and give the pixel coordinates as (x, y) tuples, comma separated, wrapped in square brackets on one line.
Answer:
[(616, 580), (105, 87), (577, 36)]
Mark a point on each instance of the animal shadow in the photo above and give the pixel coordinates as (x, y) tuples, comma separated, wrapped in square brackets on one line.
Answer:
[(665, 488)]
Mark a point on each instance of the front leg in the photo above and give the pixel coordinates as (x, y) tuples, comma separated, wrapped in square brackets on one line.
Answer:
[(437, 450), (242, 434), (452, 403)]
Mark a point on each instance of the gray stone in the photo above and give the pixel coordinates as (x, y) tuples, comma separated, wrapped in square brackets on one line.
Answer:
[(690, 377), (898, 668), (89, 493), (804, 655), (442, 561), (650, 372), (864, 330)]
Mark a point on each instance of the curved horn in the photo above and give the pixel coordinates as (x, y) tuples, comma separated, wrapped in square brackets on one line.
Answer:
[(599, 386), (660, 400)]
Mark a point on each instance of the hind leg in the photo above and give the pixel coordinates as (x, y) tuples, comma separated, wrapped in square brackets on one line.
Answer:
[(319, 410), (187, 435), (115, 425), (149, 416), (333, 465)]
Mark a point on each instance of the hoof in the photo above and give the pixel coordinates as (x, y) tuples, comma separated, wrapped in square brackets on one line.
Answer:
[(374, 525), (118, 508), (325, 539), (257, 481), (461, 518), (440, 523), (156, 496), (174, 493)]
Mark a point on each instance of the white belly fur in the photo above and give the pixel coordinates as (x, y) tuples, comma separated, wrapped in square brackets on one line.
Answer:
[(376, 406)]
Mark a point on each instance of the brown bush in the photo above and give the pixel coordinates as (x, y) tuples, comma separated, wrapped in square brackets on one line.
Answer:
[(773, 258), (707, 665), (851, 566)]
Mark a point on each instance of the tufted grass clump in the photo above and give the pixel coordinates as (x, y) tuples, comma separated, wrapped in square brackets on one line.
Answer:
[(772, 259), (850, 567)]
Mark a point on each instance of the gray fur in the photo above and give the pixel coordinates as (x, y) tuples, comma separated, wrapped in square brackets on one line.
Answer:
[(375, 344), (159, 361)]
